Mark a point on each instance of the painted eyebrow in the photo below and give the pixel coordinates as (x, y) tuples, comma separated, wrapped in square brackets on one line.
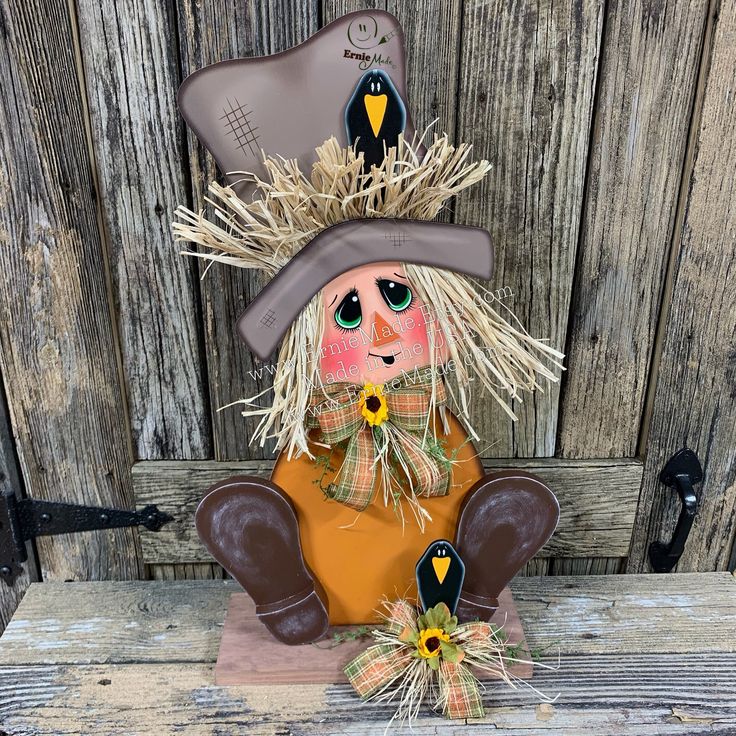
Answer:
[(400, 276), (332, 302)]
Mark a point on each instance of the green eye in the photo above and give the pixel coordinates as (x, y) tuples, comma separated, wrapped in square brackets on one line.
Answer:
[(397, 296), (348, 314)]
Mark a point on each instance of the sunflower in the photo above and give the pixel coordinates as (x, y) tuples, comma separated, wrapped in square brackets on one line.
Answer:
[(432, 637), (430, 642), (373, 405)]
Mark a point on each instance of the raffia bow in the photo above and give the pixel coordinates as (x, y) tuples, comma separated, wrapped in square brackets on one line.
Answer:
[(400, 668), (392, 436)]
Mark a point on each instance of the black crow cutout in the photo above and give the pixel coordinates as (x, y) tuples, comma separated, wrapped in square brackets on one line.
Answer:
[(440, 575), (374, 117)]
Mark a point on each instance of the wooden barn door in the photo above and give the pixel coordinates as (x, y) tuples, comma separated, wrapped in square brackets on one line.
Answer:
[(609, 124)]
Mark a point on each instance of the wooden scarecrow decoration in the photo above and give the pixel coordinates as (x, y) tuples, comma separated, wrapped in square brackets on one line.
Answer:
[(381, 335)]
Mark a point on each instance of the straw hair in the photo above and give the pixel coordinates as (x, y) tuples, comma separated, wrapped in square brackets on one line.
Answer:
[(292, 207)]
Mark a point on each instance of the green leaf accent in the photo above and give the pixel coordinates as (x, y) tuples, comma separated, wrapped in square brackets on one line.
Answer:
[(409, 636), (442, 612), (451, 652), (434, 663)]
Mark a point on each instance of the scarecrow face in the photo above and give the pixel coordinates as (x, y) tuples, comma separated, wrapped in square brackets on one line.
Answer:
[(375, 326)]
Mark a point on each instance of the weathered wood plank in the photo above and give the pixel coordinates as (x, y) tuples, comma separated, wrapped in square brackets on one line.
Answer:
[(528, 74), (432, 38), (597, 499), (601, 694), (696, 381), (119, 622), (536, 567), (152, 648), (10, 482), (191, 571), (587, 566), (629, 614), (57, 343), (131, 73), (211, 32), (647, 81), (108, 622), (334, 9)]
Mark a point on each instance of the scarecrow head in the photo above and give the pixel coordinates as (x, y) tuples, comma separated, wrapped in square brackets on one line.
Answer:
[(332, 194)]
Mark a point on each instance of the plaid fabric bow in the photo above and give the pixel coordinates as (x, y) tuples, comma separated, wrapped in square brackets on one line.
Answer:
[(396, 666), (382, 425)]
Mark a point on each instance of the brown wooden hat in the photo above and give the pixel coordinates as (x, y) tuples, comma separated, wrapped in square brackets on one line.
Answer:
[(289, 103)]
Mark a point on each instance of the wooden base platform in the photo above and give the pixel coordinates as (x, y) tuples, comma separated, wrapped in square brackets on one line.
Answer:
[(249, 655)]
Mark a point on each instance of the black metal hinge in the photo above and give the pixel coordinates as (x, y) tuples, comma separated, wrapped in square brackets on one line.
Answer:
[(23, 519), (681, 472)]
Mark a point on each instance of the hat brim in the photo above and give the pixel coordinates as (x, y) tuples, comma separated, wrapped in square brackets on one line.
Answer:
[(348, 245)]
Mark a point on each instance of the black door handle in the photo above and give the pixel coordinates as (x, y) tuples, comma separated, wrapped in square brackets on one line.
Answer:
[(681, 472)]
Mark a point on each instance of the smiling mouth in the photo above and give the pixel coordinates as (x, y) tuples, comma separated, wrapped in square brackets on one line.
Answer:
[(387, 359)]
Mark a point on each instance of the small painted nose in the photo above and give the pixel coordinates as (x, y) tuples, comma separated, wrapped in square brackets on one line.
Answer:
[(383, 333)]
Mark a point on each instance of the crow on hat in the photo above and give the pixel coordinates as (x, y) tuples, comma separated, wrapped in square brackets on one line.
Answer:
[(374, 117)]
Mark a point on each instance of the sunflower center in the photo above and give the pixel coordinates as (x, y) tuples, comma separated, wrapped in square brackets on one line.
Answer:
[(373, 403), (432, 644)]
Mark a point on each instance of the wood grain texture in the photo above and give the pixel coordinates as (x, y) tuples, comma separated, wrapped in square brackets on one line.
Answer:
[(528, 72), (647, 82), (587, 565), (334, 9), (207, 33), (432, 36), (605, 695), (696, 381), (159, 622), (154, 621), (152, 669), (10, 482), (57, 344), (130, 63), (210, 32), (592, 521), (191, 571)]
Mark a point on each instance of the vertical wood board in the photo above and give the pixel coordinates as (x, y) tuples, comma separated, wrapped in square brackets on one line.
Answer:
[(130, 54), (647, 83), (57, 341), (10, 482), (695, 399), (528, 74)]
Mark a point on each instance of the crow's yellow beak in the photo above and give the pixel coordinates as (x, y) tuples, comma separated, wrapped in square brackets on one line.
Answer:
[(375, 106), (441, 565)]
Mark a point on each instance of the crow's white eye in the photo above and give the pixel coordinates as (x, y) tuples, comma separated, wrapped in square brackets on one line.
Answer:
[(378, 87), (373, 87)]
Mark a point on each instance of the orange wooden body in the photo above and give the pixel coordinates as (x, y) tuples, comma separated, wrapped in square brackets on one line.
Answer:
[(374, 557)]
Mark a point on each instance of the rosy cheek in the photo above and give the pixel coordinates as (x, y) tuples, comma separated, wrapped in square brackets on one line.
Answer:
[(342, 350), (416, 337), (417, 334)]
